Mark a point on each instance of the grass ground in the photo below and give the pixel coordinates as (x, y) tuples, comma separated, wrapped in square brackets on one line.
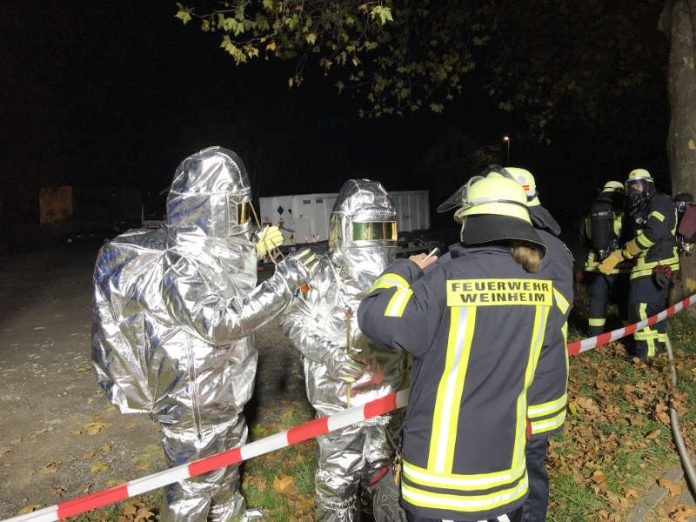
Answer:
[(616, 442)]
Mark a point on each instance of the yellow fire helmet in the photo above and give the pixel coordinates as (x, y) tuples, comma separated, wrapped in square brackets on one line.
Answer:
[(526, 179), (495, 195), (613, 186), (637, 174)]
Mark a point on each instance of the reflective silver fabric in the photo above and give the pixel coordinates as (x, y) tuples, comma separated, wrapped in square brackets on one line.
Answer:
[(316, 323), (173, 314)]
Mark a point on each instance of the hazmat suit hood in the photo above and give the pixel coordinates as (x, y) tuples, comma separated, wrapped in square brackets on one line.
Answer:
[(362, 233), (208, 211)]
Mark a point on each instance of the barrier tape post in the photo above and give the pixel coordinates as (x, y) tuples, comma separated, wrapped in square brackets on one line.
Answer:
[(293, 436)]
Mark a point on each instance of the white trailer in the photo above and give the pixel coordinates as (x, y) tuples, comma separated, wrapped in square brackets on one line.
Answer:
[(304, 218)]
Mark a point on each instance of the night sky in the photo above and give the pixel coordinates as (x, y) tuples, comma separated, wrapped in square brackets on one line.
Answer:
[(116, 94)]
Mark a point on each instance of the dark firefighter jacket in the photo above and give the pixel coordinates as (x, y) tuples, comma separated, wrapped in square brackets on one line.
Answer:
[(475, 326), (655, 235), (547, 395)]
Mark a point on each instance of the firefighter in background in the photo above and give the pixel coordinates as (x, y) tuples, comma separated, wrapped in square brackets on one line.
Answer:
[(547, 396), (174, 310), (654, 250), (603, 230), (475, 325), (344, 368)]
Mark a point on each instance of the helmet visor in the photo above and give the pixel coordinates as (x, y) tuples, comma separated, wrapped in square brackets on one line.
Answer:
[(374, 231), (460, 195)]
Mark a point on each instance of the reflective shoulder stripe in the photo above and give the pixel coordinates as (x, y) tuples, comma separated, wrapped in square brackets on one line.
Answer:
[(398, 302), (657, 215), (545, 425), (389, 281), (561, 301), (539, 410), (644, 241)]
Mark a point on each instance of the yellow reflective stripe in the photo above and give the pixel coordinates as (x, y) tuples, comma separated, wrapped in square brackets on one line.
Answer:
[(545, 425), (643, 268), (651, 348), (617, 225), (303, 253), (538, 330), (657, 215), (561, 301), (388, 281), (419, 497), (449, 390), (597, 321), (309, 259), (475, 482), (647, 334), (643, 241), (546, 408), (398, 302)]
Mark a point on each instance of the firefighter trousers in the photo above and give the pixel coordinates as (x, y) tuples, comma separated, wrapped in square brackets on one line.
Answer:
[(534, 508), (601, 289), (646, 298)]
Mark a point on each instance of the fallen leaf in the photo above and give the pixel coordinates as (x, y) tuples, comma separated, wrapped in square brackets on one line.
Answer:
[(674, 488), (284, 485), (599, 477), (630, 492), (29, 509), (51, 467), (682, 513), (92, 428), (256, 482), (105, 448), (98, 467), (56, 491), (653, 435), (143, 514)]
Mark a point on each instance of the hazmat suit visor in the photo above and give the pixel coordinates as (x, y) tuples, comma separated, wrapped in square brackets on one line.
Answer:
[(373, 232)]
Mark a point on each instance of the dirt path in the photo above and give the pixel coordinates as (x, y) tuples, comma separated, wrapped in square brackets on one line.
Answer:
[(59, 437)]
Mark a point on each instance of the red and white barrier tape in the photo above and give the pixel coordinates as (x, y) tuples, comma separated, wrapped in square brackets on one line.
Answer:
[(306, 431), (607, 337)]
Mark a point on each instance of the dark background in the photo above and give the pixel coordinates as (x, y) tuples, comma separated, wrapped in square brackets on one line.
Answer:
[(116, 94)]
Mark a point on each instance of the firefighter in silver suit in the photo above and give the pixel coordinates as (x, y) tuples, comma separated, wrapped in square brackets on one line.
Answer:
[(343, 368), (174, 310)]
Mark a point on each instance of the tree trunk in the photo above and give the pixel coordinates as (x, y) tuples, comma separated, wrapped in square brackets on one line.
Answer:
[(678, 22)]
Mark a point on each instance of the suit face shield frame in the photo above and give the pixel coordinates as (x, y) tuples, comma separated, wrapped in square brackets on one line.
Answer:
[(239, 212)]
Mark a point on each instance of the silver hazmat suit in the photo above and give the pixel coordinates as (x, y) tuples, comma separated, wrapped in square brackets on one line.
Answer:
[(173, 314), (362, 241)]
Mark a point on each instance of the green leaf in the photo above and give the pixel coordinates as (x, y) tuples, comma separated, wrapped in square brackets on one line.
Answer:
[(383, 13), (184, 13), (311, 38), (233, 50), (268, 5), (292, 22), (437, 108)]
